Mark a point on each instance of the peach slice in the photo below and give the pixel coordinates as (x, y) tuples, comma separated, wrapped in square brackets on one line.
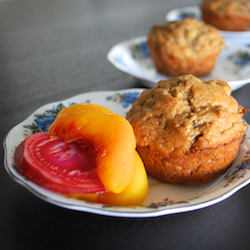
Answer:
[(110, 135), (133, 195)]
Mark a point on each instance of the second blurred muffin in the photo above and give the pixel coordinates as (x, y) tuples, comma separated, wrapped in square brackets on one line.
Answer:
[(229, 15), (186, 46)]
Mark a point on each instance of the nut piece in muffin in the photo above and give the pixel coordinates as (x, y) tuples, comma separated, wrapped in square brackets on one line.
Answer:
[(187, 130), (183, 47), (229, 15)]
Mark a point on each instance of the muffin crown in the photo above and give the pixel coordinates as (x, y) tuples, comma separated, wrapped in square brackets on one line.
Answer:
[(187, 38), (186, 113), (228, 7)]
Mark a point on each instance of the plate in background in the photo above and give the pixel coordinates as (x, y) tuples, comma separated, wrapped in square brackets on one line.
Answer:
[(133, 57)]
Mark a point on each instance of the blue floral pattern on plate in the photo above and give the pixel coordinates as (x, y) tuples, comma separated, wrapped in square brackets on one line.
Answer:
[(124, 99), (140, 50), (43, 121)]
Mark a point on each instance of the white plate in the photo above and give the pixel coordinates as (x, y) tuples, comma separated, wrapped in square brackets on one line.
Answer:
[(163, 198), (195, 12), (133, 57)]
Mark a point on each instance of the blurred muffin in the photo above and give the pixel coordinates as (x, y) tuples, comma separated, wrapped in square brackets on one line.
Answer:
[(230, 15), (186, 46), (187, 130)]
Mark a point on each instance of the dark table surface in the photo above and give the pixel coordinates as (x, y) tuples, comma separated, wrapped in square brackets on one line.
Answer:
[(52, 50)]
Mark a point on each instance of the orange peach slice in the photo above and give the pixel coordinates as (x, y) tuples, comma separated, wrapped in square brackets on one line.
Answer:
[(110, 135), (134, 194)]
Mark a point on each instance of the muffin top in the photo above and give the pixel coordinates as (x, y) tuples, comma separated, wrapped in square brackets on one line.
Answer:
[(186, 38), (185, 114), (227, 7)]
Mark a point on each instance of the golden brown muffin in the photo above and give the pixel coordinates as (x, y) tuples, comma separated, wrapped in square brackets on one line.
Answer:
[(187, 130), (230, 15), (186, 46)]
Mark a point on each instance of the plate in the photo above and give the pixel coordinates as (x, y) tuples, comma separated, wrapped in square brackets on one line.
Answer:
[(133, 57), (194, 12), (163, 198)]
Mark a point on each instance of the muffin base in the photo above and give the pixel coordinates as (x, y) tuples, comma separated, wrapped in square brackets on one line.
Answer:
[(228, 23), (195, 167), (173, 66)]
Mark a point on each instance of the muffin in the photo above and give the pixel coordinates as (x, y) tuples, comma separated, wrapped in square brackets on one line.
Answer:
[(230, 15), (187, 130), (186, 46)]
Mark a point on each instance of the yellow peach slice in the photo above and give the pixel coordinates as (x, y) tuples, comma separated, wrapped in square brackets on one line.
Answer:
[(110, 135), (135, 193)]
